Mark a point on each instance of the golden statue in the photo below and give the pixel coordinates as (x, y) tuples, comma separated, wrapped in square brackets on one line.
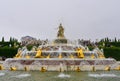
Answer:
[(18, 55), (38, 54), (80, 53), (60, 31)]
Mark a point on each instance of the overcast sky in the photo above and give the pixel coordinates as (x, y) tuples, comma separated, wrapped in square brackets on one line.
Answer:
[(84, 19)]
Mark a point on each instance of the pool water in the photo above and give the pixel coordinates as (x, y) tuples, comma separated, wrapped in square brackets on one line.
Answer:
[(6, 75)]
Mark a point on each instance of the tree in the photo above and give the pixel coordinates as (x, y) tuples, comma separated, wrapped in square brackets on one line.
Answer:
[(118, 40), (3, 39), (10, 39), (107, 39), (115, 39)]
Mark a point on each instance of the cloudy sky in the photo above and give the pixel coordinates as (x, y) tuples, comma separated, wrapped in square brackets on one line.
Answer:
[(84, 19)]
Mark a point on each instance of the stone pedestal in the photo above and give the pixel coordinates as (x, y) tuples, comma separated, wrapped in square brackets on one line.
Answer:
[(60, 41)]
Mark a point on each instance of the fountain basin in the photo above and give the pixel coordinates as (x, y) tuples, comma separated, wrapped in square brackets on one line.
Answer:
[(55, 64)]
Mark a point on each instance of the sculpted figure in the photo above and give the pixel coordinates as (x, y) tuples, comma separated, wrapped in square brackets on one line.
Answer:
[(60, 31)]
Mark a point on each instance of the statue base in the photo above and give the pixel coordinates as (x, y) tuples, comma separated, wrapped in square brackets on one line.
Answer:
[(60, 40)]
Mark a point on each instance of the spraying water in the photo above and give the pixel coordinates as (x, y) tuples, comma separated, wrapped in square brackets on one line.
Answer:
[(62, 75), (2, 74), (22, 75), (102, 75)]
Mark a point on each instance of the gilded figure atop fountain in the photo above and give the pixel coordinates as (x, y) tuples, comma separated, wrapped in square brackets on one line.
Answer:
[(60, 33)]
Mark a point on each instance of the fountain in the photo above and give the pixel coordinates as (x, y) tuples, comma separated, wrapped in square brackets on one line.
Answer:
[(60, 55)]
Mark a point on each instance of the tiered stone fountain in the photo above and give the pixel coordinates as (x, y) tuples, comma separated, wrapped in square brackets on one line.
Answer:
[(60, 55)]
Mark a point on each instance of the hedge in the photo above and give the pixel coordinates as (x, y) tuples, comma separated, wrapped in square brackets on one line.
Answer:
[(113, 52), (8, 52)]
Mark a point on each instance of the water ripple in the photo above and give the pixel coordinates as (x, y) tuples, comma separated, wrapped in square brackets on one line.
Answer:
[(62, 75), (22, 75), (2, 74), (103, 75)]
